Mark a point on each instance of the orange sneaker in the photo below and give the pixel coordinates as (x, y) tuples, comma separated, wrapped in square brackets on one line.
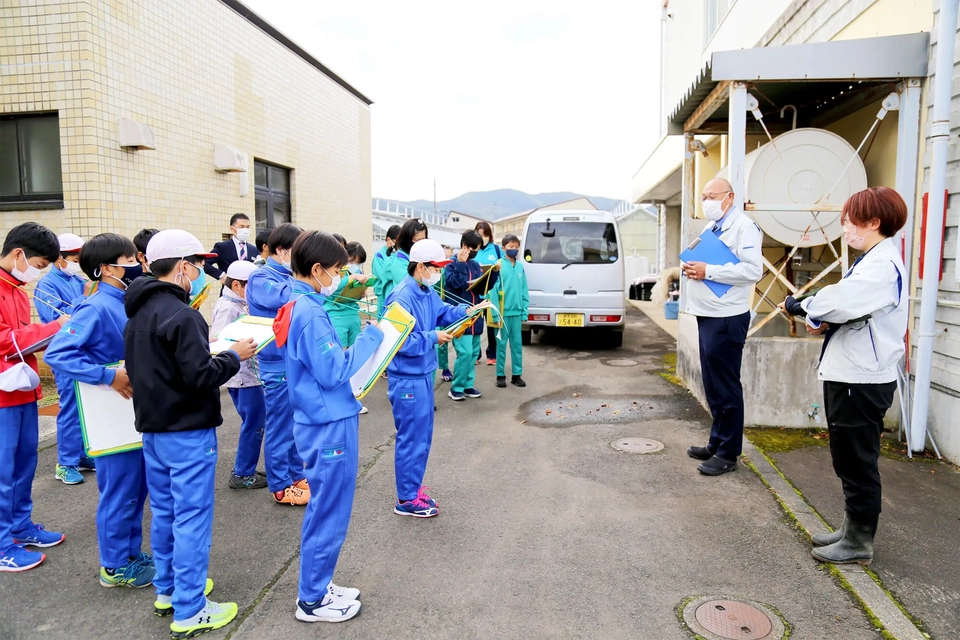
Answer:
[(292, 495), (302, 484)]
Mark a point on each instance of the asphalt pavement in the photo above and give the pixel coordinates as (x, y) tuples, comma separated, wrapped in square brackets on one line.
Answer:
[(545, 530)]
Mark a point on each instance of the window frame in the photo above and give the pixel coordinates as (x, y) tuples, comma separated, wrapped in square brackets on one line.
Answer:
[(37, 200), (271, 195)]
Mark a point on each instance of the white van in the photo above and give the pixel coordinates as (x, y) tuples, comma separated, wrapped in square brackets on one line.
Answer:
[(574, 272)]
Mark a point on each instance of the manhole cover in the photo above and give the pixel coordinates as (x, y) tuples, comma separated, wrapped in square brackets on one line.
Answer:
[(637, 445), (728, 619), (622, 362)]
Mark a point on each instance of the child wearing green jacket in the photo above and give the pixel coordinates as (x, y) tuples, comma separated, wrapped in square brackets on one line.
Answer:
[(510, 292)]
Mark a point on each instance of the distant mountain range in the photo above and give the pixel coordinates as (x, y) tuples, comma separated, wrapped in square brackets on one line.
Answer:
[(493, 205)]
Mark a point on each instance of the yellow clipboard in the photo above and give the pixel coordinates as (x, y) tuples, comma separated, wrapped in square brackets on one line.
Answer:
[(396, 325)]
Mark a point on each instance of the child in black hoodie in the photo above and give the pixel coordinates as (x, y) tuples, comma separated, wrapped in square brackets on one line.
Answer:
[(176, 398)]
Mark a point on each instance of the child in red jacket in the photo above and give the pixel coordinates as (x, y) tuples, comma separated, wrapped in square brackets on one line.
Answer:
[(27, 249)]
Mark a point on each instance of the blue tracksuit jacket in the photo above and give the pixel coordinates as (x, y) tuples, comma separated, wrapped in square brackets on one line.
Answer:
[(60, 290), (318, 368), (269, 288), (417, 357)]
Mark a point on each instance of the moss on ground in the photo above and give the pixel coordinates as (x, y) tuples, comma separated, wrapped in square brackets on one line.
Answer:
[(50, 395), (669, 370), (781, 439)]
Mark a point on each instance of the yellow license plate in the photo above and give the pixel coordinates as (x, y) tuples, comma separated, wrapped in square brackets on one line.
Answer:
[(569, 319)]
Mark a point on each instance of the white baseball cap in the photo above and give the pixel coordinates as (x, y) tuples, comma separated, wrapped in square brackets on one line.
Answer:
[(175, 243), (431, 251), (241, 270), (70, 242)]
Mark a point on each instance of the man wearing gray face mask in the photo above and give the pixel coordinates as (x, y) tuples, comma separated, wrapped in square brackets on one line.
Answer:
[(722, 322), (229, 251)]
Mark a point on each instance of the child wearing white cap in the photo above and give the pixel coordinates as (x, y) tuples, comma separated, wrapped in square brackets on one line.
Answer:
[(176, 400), (245, 388), (58, 293)]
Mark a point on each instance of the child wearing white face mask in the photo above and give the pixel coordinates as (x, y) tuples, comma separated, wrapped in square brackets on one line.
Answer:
[(27, 249), (59, 292), (244, 388)]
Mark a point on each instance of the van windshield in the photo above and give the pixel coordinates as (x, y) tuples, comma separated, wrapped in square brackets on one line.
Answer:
[(571, 243)]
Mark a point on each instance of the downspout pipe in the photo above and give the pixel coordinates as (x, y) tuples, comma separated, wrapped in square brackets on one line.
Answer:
[(933, 234)]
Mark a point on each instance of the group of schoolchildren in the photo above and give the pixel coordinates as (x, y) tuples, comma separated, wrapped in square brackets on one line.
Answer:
[(130, 326)]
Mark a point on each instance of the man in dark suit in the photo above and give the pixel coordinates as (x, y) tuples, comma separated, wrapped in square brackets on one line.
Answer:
[(229, 251)]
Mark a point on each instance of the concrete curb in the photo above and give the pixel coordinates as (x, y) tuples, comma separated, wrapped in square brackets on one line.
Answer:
[(875, 600)]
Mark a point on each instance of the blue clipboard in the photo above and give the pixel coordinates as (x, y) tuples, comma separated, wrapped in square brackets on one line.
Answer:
[(708, 248)]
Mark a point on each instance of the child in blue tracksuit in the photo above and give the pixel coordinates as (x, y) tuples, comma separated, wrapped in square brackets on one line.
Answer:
[(325, 421), (458, 276), (268, 289), (411, 375), (92, 339), (244, 388), (59, 292)]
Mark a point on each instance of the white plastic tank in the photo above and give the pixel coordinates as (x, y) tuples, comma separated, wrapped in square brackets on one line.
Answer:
[(801, 167)]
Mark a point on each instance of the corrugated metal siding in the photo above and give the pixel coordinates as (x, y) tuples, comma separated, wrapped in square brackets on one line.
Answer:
[(813, 21), (946, 346)]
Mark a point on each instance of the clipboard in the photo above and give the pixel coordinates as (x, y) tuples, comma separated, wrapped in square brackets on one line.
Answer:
[(36, 347), (201, 297), (396, 325), (107, 420), (458, 328), (356, 289), (482, 281), (708, 248), (260, 329)]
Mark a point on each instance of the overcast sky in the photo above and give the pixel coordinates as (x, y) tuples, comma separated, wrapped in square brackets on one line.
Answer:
[(531, 95)]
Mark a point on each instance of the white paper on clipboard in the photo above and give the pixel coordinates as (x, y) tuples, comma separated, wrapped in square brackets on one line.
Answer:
[(371, 368), (108, 420)]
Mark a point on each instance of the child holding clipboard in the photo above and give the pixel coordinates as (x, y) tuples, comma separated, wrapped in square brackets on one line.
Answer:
[(326, 426), (91, 340)]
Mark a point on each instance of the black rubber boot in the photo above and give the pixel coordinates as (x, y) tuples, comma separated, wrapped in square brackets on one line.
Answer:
[(823, 539), (700, 453), (856, 545)]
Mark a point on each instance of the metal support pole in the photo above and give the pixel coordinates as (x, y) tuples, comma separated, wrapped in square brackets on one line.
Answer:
[(939, 142), (908, 157), (737, 140), (688, 203)]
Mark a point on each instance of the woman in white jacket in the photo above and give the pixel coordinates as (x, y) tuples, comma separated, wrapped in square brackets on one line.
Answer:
[(864, 319)]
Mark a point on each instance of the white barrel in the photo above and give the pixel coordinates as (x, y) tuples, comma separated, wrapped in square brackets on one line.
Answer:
[(801, 167)]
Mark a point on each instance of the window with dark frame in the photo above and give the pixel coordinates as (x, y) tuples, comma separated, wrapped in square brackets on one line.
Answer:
[(30, 173), (272, 187)]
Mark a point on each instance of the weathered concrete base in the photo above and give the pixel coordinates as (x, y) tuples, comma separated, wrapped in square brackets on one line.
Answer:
[(779, 375), (942, 424)]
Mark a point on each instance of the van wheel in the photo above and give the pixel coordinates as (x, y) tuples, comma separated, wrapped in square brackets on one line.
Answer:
[(615, 339), (526, 337)]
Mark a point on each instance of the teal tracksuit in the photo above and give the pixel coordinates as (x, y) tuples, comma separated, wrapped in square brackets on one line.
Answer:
[(380, 261), (511, 293), (344, 313)]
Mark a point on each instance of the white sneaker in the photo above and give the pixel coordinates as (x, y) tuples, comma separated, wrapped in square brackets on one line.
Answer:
[(363, 411), (327, 610), (343, 593)]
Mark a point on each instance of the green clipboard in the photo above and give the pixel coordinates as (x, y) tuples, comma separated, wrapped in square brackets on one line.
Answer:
[(107, 420), (396, 325)]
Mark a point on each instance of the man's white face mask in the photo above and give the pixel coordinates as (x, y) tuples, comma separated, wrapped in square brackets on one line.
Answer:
[(713, 209)]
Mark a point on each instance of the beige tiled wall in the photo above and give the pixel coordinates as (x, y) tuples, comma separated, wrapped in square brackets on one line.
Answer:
[(198, 74)]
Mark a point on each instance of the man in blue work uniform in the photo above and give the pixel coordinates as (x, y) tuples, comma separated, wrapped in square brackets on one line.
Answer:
[(61, 292), (722, 322)]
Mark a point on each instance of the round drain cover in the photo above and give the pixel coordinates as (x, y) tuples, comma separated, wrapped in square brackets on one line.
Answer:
[(637, 445), (622, 362), (729, 619)]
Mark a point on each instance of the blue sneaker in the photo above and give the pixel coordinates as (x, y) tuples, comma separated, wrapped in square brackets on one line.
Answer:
[(19, 559), (416, 508), (87, 464), (446, 375), (39, 537), (456, 396), (137, 574), (423, 496), (472, 393), (69, 475), (146, 558)]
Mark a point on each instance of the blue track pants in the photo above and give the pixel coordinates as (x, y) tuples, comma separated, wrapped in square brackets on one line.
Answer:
[(283, 462), (19, 432), (331, 455), (181, 467), (412, 402), (251, 406), (122, 482), (69, 436)]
